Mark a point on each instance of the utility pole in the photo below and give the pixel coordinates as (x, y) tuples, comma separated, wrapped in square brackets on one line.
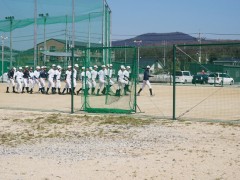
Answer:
[(138, 43), (10, 18), (3, 38), (164, 53), (200, 48), (44, 16)]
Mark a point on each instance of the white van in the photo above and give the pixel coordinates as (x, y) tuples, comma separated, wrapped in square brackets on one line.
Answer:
[(183, 77)]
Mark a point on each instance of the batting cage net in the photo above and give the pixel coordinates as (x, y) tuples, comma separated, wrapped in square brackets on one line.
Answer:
[(206, 80), (108, 79), (41, 32)]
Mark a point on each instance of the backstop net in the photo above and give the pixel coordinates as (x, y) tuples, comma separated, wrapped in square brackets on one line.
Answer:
[(41, 32), (206, 81), (108, 79)]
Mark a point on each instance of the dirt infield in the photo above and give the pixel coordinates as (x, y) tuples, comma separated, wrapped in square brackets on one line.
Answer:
[(192, 102)]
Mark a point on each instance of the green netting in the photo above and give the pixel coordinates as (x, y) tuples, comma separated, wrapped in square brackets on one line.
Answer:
[(109, 99), (206, 81), (91, 29)]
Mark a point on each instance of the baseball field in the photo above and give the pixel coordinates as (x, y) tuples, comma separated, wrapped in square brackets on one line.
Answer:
[(40, 139)]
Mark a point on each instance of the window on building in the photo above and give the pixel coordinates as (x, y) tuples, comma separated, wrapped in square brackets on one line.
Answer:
[(52, 48)]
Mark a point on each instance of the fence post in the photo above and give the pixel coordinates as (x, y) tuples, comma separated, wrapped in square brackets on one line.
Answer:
[(174, 84), (72, 88)]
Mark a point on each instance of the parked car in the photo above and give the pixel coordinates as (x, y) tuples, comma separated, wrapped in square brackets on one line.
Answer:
[(220, 78), (200, 78), (183, 77)]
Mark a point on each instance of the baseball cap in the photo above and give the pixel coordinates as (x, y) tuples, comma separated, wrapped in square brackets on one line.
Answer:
[(95, 66), (69, 67), (20, 68), (148, 67), (53, 65), (83, 68), (103, 66), (76, 65), (122, 67), (128, 67)]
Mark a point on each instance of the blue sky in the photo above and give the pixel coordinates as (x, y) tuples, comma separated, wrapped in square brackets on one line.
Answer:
[(133, 17)]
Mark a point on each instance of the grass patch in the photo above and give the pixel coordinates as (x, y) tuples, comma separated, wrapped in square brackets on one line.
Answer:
[(124, 120)]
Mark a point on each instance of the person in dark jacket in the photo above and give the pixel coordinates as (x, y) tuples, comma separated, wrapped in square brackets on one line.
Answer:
[(146, 81), (10, 81)]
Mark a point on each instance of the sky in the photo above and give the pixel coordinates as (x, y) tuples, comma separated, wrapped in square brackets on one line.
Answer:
[(214, 19), (135, 17)]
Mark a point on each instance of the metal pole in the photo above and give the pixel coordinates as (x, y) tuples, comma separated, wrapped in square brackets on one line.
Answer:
[(89, 38), (200, 49), (138, 44), (73, 23), (35, 33), (164, 54), (103, 32), (125, 54), (138, 65), (174, 84), (66, 41), (45, 45), (72, 93), (2, 56), (11, 41), (3, 38), (10, 18)]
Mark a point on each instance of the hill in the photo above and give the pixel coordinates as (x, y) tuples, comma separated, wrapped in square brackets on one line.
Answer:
[(156, 39)]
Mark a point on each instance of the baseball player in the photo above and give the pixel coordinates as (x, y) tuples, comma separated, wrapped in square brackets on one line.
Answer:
[(51, 79), (127, 78), (146, 81), (86, 80), (10, 81), (36, 75), (25, 79), (42, 78), (58, 81), (89, 79), (68, 75), (109, 77), (121, 80), (102, 82), (31, 80), (75, 77), (82, 77), (19, 79), (94, 74)]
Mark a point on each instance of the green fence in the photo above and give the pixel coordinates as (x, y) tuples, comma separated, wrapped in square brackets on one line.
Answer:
[(205, 81)]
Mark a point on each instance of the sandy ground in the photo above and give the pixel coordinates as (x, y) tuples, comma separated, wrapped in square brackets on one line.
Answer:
[(39, 139), (88, 147)]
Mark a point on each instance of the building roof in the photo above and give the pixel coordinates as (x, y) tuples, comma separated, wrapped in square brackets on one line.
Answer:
[(59, 54), (77, 43)]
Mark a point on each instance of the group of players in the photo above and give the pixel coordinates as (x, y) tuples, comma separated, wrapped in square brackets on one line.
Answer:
[(26, 79)]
